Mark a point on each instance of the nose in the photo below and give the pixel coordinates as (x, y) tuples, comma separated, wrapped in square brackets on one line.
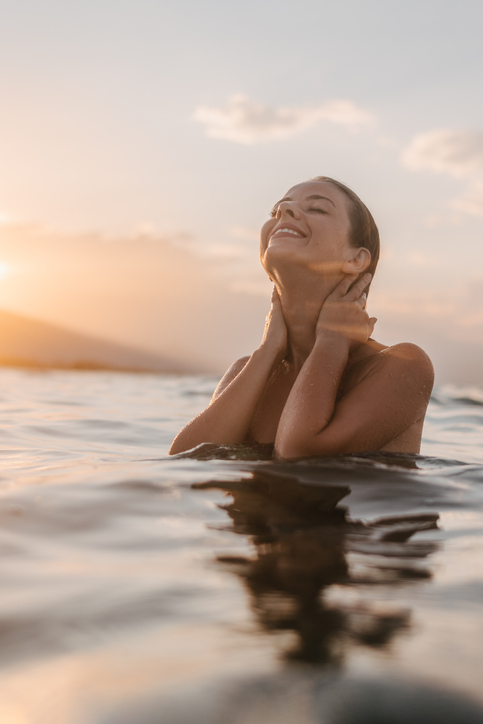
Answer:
[(288, 208)]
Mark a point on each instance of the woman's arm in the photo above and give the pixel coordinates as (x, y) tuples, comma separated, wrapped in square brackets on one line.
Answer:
[(392, 397), (228, 416)]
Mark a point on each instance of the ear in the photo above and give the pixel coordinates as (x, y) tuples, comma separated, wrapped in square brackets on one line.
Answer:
[(358, 263)]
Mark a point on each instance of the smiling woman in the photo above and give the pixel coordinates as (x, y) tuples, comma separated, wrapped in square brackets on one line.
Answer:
[(319, 384)]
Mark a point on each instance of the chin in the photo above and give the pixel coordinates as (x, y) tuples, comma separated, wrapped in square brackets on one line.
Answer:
[(280, 265), (284, 249)]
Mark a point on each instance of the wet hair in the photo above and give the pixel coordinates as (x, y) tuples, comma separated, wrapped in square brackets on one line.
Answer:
[(364, 231)]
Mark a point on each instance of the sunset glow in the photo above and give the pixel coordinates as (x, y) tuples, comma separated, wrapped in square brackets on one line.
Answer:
[(201, 150), (242, 468)]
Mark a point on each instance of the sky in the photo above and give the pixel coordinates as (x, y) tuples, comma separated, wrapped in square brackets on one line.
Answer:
[(143, 144)]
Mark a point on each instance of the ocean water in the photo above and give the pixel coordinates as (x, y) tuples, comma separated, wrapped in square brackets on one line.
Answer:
[(219, 588)]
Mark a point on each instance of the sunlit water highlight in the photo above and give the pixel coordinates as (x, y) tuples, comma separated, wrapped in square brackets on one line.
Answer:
[(139, 588)]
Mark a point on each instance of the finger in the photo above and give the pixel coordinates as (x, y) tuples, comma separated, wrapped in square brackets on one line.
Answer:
[(343, 286), (358, 288), (372, 322), (356, 291), (275, 298), (362, 300)]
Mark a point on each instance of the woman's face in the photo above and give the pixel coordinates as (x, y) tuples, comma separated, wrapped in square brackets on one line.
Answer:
[(310, 226)]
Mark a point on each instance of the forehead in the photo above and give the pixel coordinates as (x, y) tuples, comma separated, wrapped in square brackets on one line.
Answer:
[(322, 188)]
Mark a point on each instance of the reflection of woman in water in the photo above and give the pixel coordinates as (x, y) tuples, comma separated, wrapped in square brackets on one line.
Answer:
[(319, 384), (306, 547)]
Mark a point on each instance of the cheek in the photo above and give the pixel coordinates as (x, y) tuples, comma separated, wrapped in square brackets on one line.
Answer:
[(333, 243), (265, 234)]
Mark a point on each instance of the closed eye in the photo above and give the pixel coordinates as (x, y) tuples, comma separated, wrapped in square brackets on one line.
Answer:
[(274, 211)]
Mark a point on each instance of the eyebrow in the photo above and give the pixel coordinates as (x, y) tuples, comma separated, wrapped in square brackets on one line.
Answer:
[(309, 198)]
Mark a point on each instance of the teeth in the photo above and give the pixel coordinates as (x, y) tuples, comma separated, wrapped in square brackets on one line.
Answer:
[(289, 231)]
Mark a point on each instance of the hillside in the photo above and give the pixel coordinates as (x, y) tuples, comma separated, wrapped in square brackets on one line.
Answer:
[(28, 342)]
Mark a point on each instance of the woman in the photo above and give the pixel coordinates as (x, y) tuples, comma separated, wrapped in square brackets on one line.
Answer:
[(319, 384)]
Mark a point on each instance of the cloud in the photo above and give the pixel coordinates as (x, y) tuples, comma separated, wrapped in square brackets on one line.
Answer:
[(459, 153), (472, 201), (246, 121)]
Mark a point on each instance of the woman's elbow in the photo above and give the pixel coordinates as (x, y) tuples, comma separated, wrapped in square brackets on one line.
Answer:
[(176, 448), (181, 443)]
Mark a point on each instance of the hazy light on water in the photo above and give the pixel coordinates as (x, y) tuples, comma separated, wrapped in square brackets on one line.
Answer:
[(124, 582)]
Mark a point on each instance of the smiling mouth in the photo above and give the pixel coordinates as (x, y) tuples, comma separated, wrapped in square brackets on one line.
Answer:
[(287, 232)]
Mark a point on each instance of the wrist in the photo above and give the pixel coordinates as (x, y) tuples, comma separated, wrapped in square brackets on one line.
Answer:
[(334, 341), (269, 352)]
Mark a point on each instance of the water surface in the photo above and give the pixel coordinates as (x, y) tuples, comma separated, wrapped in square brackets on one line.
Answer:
[(218, 587)]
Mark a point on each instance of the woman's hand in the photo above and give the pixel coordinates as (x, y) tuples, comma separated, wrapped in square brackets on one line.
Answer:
[(228, 417), (343, 312), (275, 332)]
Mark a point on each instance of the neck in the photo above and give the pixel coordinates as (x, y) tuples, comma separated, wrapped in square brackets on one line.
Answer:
[(302, 300)]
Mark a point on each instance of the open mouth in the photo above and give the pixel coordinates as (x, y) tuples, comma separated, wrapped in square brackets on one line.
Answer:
[(287, 231)]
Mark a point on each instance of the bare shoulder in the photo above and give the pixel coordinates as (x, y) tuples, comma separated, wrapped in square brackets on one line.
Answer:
[(404, 358), (409, 365), (411, 356), (232, 372), (394, 381), (235, 369)]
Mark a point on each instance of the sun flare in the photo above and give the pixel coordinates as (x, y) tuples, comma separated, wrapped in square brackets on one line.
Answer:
[(4, 270)]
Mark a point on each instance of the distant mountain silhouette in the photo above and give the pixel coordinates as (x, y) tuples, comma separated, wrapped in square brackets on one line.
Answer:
[(28, 342)]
